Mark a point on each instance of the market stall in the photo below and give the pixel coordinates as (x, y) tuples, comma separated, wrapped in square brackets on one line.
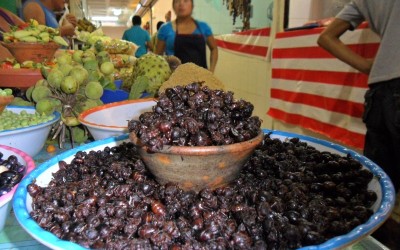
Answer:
[(192, 171), (312, 89)]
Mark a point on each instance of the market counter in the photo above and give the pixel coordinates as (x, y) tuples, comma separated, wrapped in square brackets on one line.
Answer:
[(312, 89)]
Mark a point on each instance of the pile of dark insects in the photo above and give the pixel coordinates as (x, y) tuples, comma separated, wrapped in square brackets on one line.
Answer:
[(289, 195), (11, 173), (194, 115)]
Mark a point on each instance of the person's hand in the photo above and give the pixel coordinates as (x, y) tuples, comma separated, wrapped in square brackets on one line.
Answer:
[(168, 16), (71, 19), (67, 29)]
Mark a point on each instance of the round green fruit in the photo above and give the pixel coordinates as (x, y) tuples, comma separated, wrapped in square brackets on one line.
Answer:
[(93, 90), (45, 106), (69, 85), (107, 68), (79, 73), (77, 56), (79, 134), (55, 77), (40, 92)]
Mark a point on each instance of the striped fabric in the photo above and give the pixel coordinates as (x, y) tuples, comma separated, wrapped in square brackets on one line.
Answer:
[(252, 43), (312, 89)]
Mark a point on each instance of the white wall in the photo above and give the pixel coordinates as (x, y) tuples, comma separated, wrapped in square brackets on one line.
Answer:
[(301, 12), (217, 15)]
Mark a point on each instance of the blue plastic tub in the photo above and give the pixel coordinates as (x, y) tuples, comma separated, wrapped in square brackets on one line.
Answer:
[(110, 96)]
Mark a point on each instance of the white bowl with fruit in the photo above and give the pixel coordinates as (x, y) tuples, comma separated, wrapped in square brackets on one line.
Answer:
[(25, 129), (112, 119)]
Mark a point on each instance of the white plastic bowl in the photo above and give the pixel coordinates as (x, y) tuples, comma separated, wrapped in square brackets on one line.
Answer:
[(112, 119), (27, 161), (28, 139), (43, 174)]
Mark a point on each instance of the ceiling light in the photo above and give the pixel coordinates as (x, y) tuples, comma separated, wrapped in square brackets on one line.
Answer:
[(105, 18), (117, 12)]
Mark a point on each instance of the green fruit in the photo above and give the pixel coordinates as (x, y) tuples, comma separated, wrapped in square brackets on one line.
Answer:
[(42, 82), (57, 104), (93, 90), (64, 58), (18, 101), (70, 121), (8, 91), (91, 65), (28, 93), (103, 56), (94, 76), (88, 104), (69, 85), (40, 92), (45, 106), (88, 55), (107, 68), (80, 74), (66, 69), (55, 77), (79, 135), (77, 56)]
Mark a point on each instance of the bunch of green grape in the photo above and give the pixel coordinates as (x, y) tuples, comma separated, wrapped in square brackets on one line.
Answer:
[(10, 120)]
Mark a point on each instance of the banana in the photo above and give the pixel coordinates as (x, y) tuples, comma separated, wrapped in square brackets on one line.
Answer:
[(60, 40), (30, 39), (22, 33)]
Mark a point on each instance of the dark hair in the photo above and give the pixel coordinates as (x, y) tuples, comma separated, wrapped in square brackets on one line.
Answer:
[(136, 20), (173, 1), (159, 23)]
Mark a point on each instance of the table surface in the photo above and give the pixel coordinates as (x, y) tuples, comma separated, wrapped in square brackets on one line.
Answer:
[(14, 236)]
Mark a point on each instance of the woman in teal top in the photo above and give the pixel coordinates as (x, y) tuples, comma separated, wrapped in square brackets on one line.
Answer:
[(187, 38), (43, 12), (167, 34)]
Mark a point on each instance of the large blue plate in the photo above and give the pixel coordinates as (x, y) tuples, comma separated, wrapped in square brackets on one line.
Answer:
[(381, 185)]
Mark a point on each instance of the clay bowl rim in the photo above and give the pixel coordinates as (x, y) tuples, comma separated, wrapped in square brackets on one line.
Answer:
[(201, 150), (20, 44)]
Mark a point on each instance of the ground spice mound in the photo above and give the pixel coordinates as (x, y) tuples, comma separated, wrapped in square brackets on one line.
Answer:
[(188, 73)]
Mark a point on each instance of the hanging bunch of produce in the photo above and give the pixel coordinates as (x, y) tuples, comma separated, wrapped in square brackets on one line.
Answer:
[(85, 25), (239, 8), (75, 84)]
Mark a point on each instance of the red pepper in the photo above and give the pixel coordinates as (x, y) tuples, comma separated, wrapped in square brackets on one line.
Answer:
[(6, 65), (23, 26)]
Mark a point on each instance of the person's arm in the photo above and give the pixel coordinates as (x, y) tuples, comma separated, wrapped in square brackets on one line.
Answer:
[(329, 40), (212, 45), (33, 10), (160, 48), (149, 44)]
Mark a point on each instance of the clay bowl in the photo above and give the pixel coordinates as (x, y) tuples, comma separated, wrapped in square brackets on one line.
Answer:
[(195, 168), (36, 52)]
